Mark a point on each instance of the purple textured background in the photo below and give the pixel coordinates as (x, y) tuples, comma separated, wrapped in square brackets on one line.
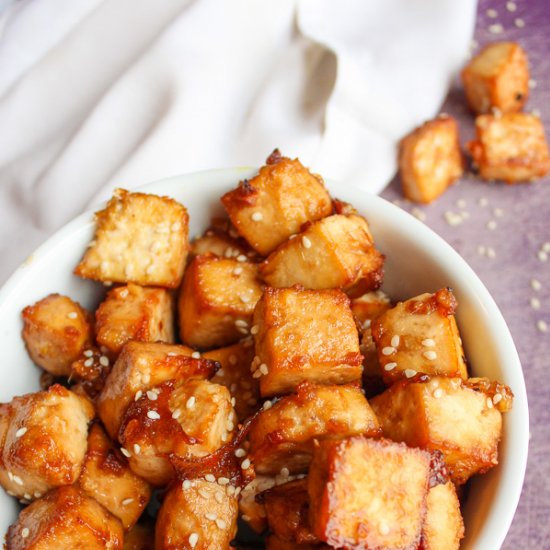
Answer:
[(521, 231)]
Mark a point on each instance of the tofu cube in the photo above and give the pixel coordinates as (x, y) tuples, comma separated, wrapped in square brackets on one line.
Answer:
[(140, 537), (65, 518), (367, 493), (497, 78), (284, 435), (217, 300), (510, 147), (370, 306), (443, 414), (133, 312), (420, 335), (304, 335), (335, 252), (273, 205), (56, 330), (430, 159), (90, 371), (139, 238)]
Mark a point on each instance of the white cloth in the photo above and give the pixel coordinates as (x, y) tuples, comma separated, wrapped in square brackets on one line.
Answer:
[(102, 93)]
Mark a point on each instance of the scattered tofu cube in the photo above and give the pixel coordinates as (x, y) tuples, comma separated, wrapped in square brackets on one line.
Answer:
[(90, 371), (497, 78), (140, 537), (139, 238), (273, 205), (369, 306), (430, 159), (56, 330)]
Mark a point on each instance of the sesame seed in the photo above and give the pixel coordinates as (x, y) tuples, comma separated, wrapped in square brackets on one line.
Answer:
[(245, 517), (223, 481), (125, 452), (186, 484), (546, 247), (233, 401), (25, 532), (17, 480), (536, 285), (176, 226), (263, 369), (230, 425), (418, 214), (267, 405), (26, 496), (498, 212), (193, 539), (210, 516), (306, 243), (104, 361), (491, 252), (219, 497), (241, 258), (383, 529), (191, 402), (496, 28), (428, 342), (88, 353), (511, 6), (241, 323), (491, 225), (239, 453), (20, 432), (210, 477), (230, 490), (285, 472), (221, 523), (12, 494), (10, 475), (152, 395), (172, 354), (395, 341), (532, 83), (536, 112), (153, 415), (542, 326), (483, 201), (237, 271), (534, 303), (497, 398), (492, 13), (257, 217), (452, 218), (430, 355), (519, 23), (461, 203), (257, 374), (146, 378), (388, 350), (389, 366), (138, 395), (542, 256), (438, 393), (89, 362), (409, 373), (244, 298), (367, 323), (37, 494), (255, 329), (127, 501), (196, 355), (489, 403), (72, 315), (204, 493)]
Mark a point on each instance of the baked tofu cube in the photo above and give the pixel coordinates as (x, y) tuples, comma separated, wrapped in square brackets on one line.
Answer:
[(284, 435), (430, 159), (367, 493), (497, 78), (304, 335), (217, 300), (335, 252), (420, 336), (273, 205), (139, 238), (510, 147), (90, 371), (43, 441), (133, 312), (197, 514), (107, 478), (65, 518), (369, 306), (442, 414), (140, 537), (56, 330)]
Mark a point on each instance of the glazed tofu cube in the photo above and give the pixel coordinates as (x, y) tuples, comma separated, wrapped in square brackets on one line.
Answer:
[(43, 441), (140, 537), (107, 478), (420, 336), (443, 415), (367, 493), (283, 436), (217, 300), (370, 306), (65, 518), (139, 238), (273, 205), (304, 335), (430, 159), (197, 514), (140, 367), (510, 147), (497, 78), (90, 371), (133, 312), (335, 252), (56, 330)]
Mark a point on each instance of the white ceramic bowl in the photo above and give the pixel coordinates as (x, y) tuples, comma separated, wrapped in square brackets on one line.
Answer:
[(417, 261)]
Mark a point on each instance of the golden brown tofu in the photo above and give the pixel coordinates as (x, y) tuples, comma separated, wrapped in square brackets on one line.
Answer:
[(107, 478), (140, 367), (65, 518), (497, 78), (90, 371), (285, 434), (133, 312), (217, 300), (273, 205), (56, 330), (367, 493), (43, 441), (443, 414), (304, 335), (335, 252), (197, 514), (420, 336), (140, 537), (430, 159), (369, 306), (510, 147), (139, 238)]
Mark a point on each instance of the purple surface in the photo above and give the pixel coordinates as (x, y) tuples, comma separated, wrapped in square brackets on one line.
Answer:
[(521, 231)]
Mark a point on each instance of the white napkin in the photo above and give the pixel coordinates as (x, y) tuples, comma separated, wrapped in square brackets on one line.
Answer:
[(102, 93)]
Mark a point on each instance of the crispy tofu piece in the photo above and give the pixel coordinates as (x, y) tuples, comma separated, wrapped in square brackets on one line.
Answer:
[(367, 493), (285, 434), (217, 300), (430, 159), (304, 335), (139, 238), (65, 518), (107, 478), (133, 312), (273, 205), (497, 78), (56, 330), (140, 367), (90, 371), (443, 414), (43, 441), (420, 335), (510, 147), (140, 537), (370, 306), (335, 252), (197, 514)]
